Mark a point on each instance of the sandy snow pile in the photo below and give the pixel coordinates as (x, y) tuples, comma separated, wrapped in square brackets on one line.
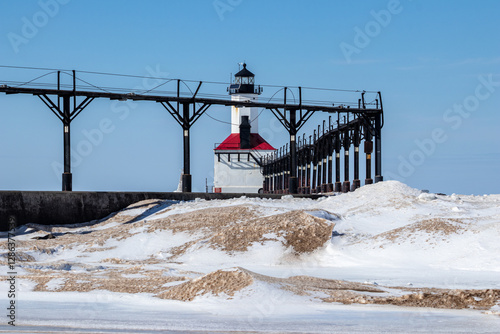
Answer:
[(423, 249)]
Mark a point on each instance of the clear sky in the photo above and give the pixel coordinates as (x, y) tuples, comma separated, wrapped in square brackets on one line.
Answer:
[(437, 64)]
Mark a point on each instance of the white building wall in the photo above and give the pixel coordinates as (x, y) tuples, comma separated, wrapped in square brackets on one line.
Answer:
[(237, 176), (237, 113)]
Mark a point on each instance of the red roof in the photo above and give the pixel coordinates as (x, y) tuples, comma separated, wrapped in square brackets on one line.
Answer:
[(256, 143)]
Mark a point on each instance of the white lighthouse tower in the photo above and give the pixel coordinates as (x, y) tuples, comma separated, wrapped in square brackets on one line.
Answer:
[(236, 168)]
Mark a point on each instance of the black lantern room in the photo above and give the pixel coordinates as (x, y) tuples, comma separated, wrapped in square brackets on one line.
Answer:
[(244, 83)]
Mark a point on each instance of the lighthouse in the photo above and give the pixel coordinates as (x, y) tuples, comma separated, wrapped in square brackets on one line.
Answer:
[(237, 158)]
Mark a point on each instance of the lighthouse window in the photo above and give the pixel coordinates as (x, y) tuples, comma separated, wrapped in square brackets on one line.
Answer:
[(244, 80), (237, 80), (251, 80)]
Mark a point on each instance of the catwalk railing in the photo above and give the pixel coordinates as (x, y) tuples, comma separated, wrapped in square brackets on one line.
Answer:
[(318, 157)]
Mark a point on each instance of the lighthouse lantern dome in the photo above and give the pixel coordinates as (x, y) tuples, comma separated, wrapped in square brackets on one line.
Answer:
[(244, 83)]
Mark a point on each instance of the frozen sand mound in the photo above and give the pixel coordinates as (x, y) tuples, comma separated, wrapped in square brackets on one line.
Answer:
[(181, 251), (167, 236), (226, 282), (236, 228)]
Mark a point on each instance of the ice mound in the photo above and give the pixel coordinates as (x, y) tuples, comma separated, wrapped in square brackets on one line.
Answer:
[(393, 224), (382, 192), (388, 189), (375, 199)]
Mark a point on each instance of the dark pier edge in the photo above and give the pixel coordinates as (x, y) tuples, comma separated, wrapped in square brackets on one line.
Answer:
[(65, 207)]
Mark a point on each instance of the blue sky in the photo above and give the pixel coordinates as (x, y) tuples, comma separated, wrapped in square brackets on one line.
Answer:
[(437, 64)]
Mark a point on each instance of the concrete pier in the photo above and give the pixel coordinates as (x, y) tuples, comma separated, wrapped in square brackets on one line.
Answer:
[(65, 207)]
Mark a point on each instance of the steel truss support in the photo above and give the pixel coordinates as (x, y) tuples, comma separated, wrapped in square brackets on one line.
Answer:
[(66, 116), (67, 177), (186, 119), (292, 125)]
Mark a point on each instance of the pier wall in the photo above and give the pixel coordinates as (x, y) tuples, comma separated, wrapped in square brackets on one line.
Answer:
[(65, 207)]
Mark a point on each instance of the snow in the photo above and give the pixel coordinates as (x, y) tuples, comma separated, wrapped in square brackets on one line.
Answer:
[(386, 235), (55, 283), (112, 312)]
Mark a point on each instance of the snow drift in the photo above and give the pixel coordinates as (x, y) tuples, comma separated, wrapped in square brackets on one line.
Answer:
[(385, 243)]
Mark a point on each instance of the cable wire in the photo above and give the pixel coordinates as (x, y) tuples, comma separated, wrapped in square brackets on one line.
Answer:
[(150, 77), (41, 76), (88, 83), (256, 117)]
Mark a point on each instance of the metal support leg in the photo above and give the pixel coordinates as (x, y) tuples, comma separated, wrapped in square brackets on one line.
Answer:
[(308, 178), (67, 178), (276, 179), (313, 181), (368, 152), (378, 148), (346, 186), (301, 180), (338, 184), (186, 176), (329, 187), (356, 183), (318, 182), (323, 185), (265, 184), (282, 181), (292, 181), (276, 182)]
